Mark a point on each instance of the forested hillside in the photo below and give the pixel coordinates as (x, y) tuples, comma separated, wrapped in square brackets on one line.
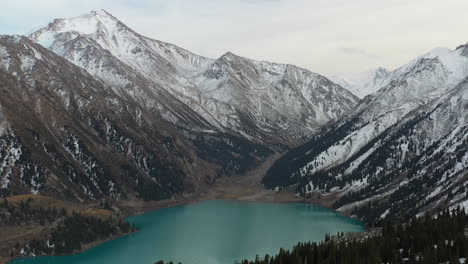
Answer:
[(42, 226)]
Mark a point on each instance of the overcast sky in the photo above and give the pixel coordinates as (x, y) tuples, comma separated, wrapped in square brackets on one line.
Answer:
[(325, 36)]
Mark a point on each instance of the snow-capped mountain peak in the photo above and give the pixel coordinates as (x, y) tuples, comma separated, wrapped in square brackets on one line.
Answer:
[(89, 23), (380, 73), (113, 35), (363, 83)]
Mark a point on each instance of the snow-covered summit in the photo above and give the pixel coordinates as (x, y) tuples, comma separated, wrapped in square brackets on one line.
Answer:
[(89, 23), (114, 36)]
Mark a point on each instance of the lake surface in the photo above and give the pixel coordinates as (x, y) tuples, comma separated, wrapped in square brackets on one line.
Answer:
[(213, 232)]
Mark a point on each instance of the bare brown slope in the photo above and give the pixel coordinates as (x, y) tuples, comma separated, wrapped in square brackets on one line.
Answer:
[(79, 140)]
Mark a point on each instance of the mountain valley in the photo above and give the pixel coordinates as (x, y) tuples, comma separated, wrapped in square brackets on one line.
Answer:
[(95, 117), (155, 132)]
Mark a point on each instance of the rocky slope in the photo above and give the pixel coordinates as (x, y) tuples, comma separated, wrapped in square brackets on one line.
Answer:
[(403, 150)]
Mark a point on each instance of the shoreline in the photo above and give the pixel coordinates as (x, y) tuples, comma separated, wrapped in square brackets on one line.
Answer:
[(155, 206), (84, 248), (242, 188)]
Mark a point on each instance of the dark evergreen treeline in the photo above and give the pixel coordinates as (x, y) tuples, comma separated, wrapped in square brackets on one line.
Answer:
[(162, 262), (425, 240), (431, 240), (232, 154), (33, 175), (24, 213), (75, 231), (78, 229), (66, 233)]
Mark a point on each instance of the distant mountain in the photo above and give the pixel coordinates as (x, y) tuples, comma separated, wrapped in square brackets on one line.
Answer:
[(363, 83), (403, 150), (263, 102)]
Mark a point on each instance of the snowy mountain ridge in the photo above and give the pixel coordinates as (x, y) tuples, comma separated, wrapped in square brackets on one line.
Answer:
[(369, 82), (260, 100)]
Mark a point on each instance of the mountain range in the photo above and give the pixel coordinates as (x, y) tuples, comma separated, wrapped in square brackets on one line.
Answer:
[(92, 109), (260, 101)]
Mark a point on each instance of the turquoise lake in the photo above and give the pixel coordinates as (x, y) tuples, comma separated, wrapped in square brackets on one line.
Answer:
[(213, 232)]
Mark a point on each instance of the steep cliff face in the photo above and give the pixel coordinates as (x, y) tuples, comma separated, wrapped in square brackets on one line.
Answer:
[(403, 150)]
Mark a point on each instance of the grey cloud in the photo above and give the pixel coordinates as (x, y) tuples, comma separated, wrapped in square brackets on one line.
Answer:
[(356, 51), (312, 34)]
